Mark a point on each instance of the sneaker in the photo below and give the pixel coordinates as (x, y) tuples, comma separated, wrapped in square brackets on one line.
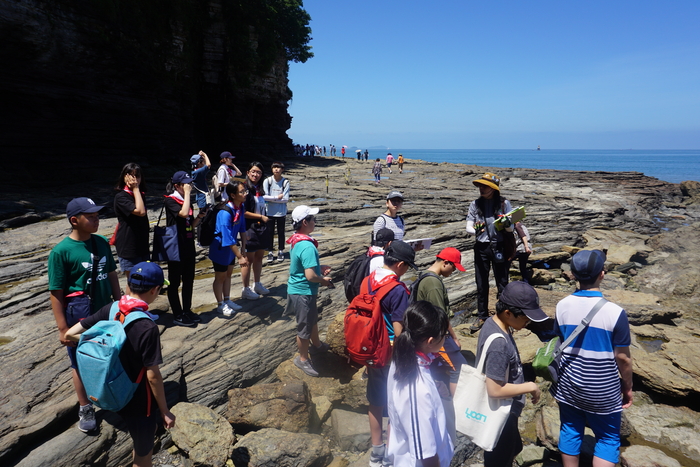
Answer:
[(260, 289), (270, 258), (193, 316), (280, 256), (233, 306), (477, 325), (226, 310), (87, 420), (376, 460), (305, 366), (323, 348), (184, 320), (248, 294)]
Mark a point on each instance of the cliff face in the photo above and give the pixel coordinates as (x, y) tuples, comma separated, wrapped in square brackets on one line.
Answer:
[(91, 84)]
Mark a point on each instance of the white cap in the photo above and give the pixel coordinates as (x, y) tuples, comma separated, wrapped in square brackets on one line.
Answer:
[(302, 212)]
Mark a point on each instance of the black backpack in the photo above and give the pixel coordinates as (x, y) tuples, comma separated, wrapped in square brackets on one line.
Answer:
[(413, 289), (355, 274), (207, 226)]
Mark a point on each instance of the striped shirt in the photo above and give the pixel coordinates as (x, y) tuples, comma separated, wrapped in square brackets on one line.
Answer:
[(417, 417), (588, 375)]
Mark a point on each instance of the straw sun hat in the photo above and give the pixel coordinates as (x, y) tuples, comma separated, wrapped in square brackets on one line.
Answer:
[(490, 180)]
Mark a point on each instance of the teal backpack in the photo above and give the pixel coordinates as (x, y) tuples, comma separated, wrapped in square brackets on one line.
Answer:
[(106, 383)]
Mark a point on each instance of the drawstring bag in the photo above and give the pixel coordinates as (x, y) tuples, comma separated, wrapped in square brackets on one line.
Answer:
[(166, 246)]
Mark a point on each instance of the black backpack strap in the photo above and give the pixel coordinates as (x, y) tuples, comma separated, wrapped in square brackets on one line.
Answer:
[(95, 263)]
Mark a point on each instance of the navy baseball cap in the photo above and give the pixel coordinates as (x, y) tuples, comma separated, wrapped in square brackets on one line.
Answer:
[(81, 205), (226, 154), (147, 274), (401, 251), (182, 177), (522, 295), (587, 264)]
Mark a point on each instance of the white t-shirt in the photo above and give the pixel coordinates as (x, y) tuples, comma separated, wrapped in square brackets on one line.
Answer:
[(222, 176), (418, 425), (395, 224)]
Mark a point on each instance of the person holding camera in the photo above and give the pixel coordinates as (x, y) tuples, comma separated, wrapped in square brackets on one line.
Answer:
[(489, 247)]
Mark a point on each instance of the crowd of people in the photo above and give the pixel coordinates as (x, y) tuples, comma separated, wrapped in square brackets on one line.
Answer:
[(416, 389)]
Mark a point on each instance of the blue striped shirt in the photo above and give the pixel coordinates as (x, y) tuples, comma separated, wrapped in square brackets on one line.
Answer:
[(588, 375)]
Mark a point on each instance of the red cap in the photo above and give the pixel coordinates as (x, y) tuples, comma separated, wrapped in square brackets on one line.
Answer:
[(453, 256)]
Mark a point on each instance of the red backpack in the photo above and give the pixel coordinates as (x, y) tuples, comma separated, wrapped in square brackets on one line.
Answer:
[(366, 336)]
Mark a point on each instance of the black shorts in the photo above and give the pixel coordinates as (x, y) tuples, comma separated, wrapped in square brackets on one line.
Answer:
[(376, 386), (142, 430), (222, 267)]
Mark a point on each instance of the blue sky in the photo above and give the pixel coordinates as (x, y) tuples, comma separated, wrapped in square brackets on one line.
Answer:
[(500, 75)]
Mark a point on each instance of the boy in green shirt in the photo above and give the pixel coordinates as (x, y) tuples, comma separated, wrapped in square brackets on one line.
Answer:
[(82, 279)]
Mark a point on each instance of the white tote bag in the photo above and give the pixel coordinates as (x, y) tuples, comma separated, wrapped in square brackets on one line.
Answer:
[(478, 416)]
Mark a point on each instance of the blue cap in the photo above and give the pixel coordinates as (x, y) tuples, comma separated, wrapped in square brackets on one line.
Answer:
[(587, 264), (194, 159), (147, 274), (182, 177), (78, 206)]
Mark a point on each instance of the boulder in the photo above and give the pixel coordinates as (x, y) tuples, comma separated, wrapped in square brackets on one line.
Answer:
[(284, 406), (691, 190), (204, 435), (621, 244), (351, 430), (542, 277), (645, 456), (271, 447)]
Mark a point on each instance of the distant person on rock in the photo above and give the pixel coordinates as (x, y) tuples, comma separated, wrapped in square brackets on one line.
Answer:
[(599, 357), (389, 161), (390, 218), (400, 160), (377, 170), (226, 172), (142, 350), (366, 154), (342, 151), (305, 275), (200, 170), (225, 249), (131, 238), (82, 279), (489, 246), (276, 190), (419, 434)]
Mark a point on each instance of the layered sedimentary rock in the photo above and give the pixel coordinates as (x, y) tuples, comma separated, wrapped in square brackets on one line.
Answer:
[(565, 210)]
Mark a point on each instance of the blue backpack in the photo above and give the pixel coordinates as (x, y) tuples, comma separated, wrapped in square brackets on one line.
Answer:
[(106, 383)]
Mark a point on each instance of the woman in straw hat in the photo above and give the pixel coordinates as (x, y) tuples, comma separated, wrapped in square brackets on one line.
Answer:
[(488, 249)]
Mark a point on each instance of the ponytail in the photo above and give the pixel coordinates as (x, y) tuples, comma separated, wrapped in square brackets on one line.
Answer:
[(421, 321)]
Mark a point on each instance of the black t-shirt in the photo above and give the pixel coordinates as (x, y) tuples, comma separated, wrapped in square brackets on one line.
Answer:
[(141, 349), (185, 229), (132, 234)]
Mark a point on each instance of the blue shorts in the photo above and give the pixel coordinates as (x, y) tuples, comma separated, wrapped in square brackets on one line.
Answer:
[(125, 264), (376, 386), (605, 427), (201, 199)]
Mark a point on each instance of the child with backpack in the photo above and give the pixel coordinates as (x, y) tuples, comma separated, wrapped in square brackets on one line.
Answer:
[(139, 356), (224, 250), (398, 257), (366, 264), (305, 275), (419, 434), (82, 279), (276, 189)]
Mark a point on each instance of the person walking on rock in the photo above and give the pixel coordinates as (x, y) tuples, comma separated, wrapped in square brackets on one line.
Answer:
[(489, 245), (377, 170), (305, 275), (600, 358)]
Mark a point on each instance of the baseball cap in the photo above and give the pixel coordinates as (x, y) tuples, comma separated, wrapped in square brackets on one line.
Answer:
[(453, 256), (394, 194), (194, 159), (401, 251), (182, 177), (587, 264), (147, 274), (227, 154), (522, 295), (384, 235), (490, 180), (302, 212), (81, 205)]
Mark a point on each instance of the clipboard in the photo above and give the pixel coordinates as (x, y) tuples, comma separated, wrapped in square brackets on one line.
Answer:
[(516, 215), (426, 242)]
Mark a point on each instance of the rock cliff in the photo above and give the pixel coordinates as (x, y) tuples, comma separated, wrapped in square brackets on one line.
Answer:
[(646, 225), (90, 85)]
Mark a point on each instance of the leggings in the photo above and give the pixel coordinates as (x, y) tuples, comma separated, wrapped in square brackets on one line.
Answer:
[(277, 223), (483, 262), (181, 271)]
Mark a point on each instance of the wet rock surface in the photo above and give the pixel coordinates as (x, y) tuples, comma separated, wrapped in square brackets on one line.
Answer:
[(636, 218)]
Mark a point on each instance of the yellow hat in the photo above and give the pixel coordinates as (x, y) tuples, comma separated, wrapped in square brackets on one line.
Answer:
[(490, 180)]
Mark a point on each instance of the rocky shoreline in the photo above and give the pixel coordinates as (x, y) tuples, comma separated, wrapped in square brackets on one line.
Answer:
[(649, 228)]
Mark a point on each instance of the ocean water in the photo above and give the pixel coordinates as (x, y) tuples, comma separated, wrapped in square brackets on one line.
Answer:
[(672, 166)]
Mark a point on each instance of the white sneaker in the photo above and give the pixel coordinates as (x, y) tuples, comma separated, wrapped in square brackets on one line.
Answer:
[(248, 294), (270, 258), (260, 289), (233, 306), (226, 310)]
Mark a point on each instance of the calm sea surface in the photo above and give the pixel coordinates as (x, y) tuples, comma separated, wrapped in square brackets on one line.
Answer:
[(670, 165)]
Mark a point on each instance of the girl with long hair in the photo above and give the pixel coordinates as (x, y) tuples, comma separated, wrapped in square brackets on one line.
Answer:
[(419, 433), (257, 232), (132, 233)]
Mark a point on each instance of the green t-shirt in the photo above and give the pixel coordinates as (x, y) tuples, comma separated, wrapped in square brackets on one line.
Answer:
[(431, 289), (70, 268), (304, 255)]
